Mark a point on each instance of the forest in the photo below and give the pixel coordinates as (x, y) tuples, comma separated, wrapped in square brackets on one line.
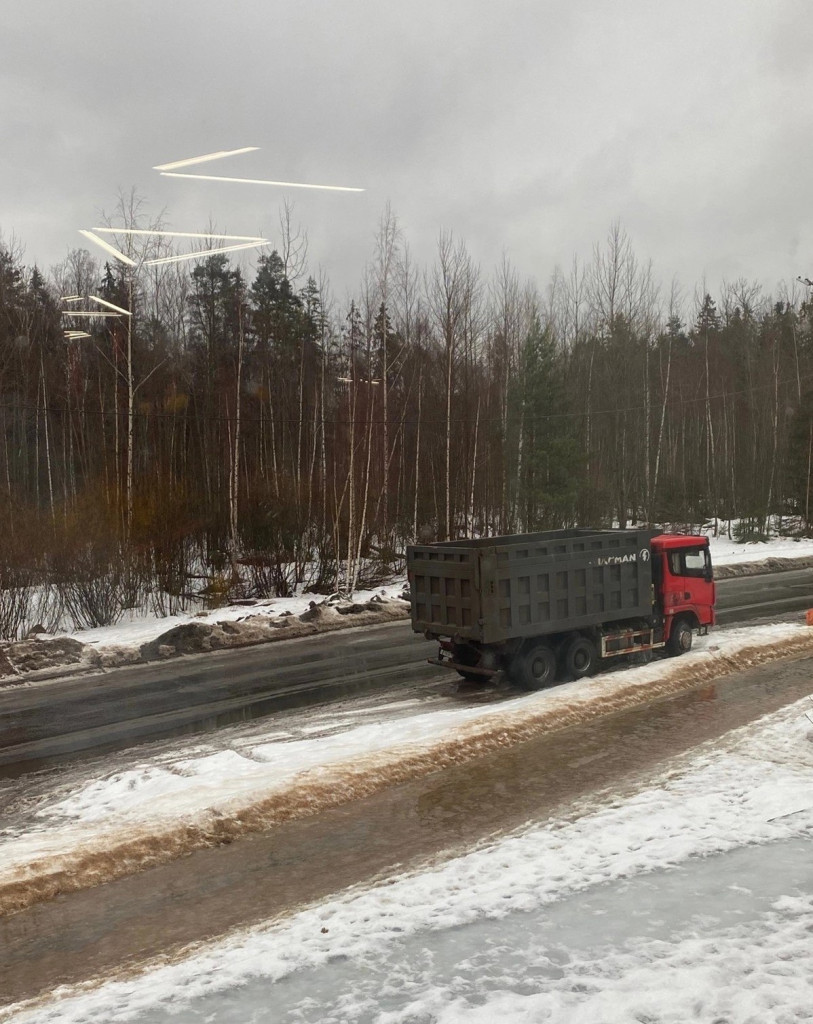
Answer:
[(236, 433)]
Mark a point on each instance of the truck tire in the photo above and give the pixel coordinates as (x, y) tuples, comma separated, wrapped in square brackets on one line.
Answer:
[(680, 639), (534, 668), (580, 657), (465, 655)]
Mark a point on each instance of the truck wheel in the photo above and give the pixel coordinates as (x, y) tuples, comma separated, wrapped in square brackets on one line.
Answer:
[(680, 639), (534, 668), (465, 655), (580, 657)]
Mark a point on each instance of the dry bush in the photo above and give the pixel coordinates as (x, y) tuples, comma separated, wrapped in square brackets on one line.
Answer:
[(23, 584), (168, 549), (15, 602), (89, 567)]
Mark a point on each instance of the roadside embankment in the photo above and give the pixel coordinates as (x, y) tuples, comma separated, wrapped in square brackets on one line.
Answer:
[(766, 565)]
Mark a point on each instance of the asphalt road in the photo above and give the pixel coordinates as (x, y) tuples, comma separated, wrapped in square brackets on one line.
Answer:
[(43, 722), (750, 597)]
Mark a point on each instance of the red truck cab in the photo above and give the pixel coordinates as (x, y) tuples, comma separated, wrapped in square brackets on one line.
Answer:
[(683, 579)]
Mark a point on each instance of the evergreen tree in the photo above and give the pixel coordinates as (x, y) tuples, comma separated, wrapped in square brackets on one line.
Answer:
[(800, 460), (551, 460), (708, 319), (277, 310)]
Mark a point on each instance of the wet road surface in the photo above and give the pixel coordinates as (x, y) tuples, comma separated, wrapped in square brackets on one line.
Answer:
[(198, 693), (39, 724)]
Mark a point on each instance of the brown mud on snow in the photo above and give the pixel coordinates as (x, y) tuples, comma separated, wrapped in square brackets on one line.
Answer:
[(116, 855), (39, 656)]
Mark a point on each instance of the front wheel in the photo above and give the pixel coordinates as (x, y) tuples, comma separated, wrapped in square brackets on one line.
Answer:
[(680, 639), (534, 668)]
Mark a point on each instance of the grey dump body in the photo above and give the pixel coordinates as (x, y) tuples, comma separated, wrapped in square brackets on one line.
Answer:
[(501, 588)]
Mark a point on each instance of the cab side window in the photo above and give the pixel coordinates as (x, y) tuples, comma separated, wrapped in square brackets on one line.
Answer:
[(688, 562), (694, 561)]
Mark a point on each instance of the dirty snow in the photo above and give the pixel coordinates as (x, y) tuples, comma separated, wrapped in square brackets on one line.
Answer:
[(198, 784), (140, 629), (690, 900)]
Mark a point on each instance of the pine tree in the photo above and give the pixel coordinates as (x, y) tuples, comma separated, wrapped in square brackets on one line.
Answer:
[(552, 464)]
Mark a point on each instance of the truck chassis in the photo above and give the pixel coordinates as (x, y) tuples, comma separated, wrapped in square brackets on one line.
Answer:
[(620, 643)]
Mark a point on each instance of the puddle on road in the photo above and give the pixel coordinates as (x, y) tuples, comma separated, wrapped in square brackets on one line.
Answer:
[(206, 894)]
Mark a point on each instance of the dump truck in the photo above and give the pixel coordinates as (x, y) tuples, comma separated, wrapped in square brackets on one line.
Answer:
[(556, 605)]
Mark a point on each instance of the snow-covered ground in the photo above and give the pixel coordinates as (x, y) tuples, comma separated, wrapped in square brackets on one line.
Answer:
[(729, 552), (690, 900), (138, 629)]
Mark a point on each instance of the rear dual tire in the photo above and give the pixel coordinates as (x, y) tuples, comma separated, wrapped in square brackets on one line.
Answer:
[(534, 668), (579, 658)]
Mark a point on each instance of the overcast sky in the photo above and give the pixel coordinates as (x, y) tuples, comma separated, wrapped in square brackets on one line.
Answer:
[(525, 126)]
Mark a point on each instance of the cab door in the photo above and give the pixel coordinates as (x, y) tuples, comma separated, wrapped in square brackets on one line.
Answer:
[(693, 565)]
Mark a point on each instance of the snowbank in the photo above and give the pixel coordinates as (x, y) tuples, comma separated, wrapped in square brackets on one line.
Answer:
[(779, 554), (728, 553), (149, 639)]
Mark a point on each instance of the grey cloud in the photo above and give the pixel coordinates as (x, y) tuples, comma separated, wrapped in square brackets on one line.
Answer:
[(526, 126)]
